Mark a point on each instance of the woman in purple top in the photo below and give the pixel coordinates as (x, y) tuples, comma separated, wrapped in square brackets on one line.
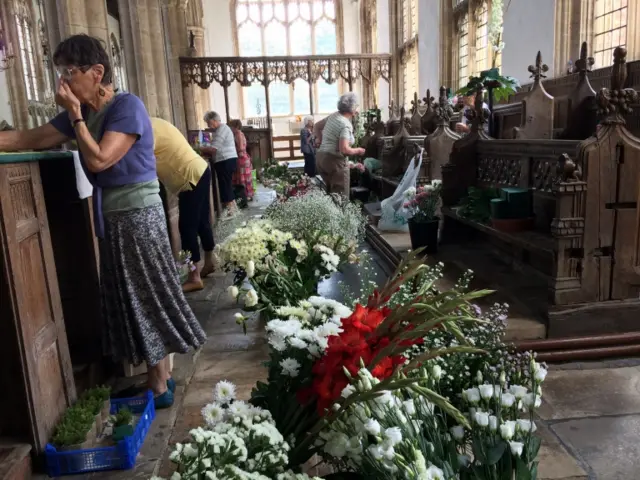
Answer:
[(144, 310)]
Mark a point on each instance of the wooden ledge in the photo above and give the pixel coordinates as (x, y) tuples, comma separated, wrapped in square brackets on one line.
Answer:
[(21, 157)]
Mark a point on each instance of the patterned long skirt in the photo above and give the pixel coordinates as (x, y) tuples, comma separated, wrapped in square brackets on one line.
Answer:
[(243, 175), (145, 313)]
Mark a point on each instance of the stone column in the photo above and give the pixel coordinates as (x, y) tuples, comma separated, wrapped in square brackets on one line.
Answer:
[(174, 16), (158, 53)]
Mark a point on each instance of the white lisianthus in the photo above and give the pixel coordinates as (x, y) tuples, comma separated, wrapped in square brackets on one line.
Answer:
[(290, 367), (540, 373), (526, 426), (507, 400), (348, 391), (481, 418), (409, 407), (372, 427), (508, 430), (516, 448), (251, 269), (410, 192), (531, 401), (486, 391), (493, 423), (436, 372), (457, 432), (233, 292), (394, 435), (251, 298), (434, 473), (472, 395), (518, 391)]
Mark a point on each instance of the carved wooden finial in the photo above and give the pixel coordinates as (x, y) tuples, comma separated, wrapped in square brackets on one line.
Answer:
[(616, 101), (584, 64), (415, 103), (539, 69), (568, 170), (443, 110), (428, 100)]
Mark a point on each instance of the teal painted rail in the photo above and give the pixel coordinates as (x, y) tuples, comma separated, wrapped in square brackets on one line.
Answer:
[(20, 157)]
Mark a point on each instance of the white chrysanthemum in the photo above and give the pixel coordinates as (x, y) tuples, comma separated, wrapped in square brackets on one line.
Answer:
[(224, 392), (290, 367)]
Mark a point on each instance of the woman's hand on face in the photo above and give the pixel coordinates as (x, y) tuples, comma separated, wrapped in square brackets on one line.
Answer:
[(66, 98)]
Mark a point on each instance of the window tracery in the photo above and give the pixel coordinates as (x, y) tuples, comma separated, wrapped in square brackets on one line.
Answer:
[(287, 28)]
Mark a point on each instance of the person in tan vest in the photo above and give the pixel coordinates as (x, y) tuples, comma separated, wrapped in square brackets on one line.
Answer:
[(185, 173)]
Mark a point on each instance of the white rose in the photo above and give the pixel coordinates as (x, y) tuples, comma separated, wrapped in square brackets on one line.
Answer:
[(516, 448), (508, 430), (233, 292)]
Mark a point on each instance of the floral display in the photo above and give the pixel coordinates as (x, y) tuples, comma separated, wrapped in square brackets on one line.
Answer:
[(331, 219), (404, 380), (280, 269), (421, 204), (238, 441)]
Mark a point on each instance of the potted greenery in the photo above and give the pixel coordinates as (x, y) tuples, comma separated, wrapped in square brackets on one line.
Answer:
[(421, 205), (76, 431), (122, 424)]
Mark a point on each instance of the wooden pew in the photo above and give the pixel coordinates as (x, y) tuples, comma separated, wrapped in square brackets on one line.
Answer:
[(438, 145), (578, 267), (570, 92)]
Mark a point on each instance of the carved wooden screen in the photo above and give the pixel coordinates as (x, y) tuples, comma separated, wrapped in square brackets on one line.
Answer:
[(35, 322), (283, 28)]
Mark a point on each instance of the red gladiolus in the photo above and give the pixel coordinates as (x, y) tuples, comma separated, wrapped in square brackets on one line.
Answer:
[(357, 343)]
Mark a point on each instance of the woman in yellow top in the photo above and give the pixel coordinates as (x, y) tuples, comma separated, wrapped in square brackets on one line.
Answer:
[(184, 173)]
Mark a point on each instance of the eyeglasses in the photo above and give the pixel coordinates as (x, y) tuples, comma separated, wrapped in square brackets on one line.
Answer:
[(67, 72)]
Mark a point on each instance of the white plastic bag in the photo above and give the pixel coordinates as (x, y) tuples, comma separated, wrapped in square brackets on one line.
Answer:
[(394, 217)]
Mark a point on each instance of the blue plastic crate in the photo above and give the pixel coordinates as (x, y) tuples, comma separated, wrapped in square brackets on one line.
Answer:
[(121, 456)]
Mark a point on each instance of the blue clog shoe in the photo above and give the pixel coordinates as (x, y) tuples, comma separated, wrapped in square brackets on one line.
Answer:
[(171, 385), (163, 401)]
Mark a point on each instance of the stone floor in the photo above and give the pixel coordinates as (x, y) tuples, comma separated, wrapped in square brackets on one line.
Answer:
[(589, 421)]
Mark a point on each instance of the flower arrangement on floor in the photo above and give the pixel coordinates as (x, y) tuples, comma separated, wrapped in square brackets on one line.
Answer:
[(407, 381), (279, 269), (317, 217), (238, 441)]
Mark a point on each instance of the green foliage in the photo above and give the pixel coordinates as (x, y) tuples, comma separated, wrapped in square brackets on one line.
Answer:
[(78, 419), (74, 426), (502, 86), (123, 417), (476, 205)]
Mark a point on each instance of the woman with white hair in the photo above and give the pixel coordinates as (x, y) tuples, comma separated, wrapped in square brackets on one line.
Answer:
[(307, 147), (334, 135), (224, 157)]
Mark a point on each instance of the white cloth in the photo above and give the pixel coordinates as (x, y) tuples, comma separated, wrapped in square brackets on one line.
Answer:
[(393, 216), (85, 189)]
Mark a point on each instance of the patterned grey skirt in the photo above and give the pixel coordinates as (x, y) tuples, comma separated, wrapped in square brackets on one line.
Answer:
[(144, 310)]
